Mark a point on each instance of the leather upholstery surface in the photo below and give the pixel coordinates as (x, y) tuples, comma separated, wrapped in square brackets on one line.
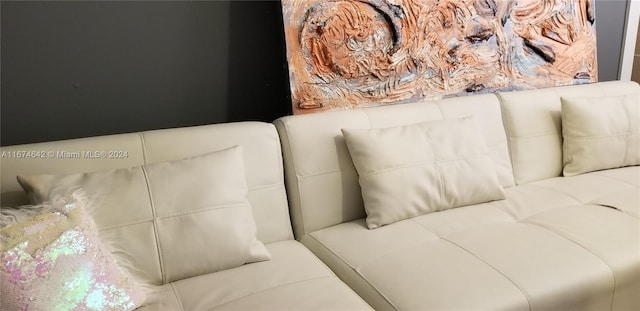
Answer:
[(554, 243), (548, 246), (421, 168), (294, 279), (533, 125), (189, 204), (262, 159), (322, 183), (600, 133)]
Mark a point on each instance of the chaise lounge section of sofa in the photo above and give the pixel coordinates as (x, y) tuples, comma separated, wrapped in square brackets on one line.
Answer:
[(552, 243)]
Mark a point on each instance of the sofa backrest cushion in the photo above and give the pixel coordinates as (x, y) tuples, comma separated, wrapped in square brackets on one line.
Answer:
[(533, 124), (261, 154), (322, 182)]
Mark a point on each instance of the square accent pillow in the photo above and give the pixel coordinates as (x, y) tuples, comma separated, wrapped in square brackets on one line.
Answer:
[(52, 259), (421, 168), (192, 216), (600, 133)]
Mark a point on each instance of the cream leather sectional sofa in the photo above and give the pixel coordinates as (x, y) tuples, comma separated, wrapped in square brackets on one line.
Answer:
[(553, 243), (539, 242)]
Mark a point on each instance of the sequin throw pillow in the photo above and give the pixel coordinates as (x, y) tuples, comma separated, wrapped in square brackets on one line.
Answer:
[(54, 260)]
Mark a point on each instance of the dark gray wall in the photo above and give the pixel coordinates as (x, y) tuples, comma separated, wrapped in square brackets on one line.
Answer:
[(610, 23), (83, 68)]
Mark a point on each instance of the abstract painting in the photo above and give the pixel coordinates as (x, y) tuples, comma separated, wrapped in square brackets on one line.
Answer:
[(356, 53)]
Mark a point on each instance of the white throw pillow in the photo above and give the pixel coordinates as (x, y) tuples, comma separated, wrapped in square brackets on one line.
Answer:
[(201, 217), (416, 169), (600, 133)]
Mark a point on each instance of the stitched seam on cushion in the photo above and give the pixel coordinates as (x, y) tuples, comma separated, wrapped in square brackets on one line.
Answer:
[(595, 137), (550, 229), (175, 293), (274, 185), (175, 215), (524, 293), (526, 137), (412, 219), (356, 270), (144, 148), (326, 268), (626, 151), (338, 171), (502, 209), (404, 247), (153, 210), (320, 173), (437, 234), (394, 168), (202, 210), (556, 191), (507, 129), (271, 288), (612, 178), (439, 167), (154, 224), (628, 140), (124, 225), (630, 133)]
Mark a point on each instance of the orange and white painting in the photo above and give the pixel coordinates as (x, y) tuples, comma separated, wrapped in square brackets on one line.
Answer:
[(356, 53)]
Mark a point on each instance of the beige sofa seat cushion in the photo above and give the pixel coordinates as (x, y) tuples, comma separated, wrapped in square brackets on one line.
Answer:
[(197, 210), (587, 188), (628, 175), (600, 133), (544, 247), (492, 266), (612, 236), (415, 169), (627, 200), (424, 272), (294, 279), (614, 188)]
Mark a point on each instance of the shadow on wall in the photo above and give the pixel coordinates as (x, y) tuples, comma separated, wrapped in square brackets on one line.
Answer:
[(258, 75)]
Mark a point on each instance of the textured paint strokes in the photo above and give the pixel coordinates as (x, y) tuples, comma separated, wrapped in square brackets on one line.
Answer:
[(356, 53)]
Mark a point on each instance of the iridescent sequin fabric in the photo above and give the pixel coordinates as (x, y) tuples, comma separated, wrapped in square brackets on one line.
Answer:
[(55, 261)]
